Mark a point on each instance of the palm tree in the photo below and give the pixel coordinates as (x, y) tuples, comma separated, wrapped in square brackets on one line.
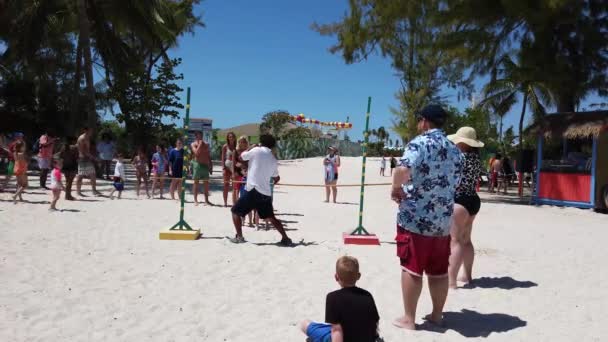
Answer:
[(373, 133), (500, 108), (515, 80), (84, 43), (518, 80), (381, 133)]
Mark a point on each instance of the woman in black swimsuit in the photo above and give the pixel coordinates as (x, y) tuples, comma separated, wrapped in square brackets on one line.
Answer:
[(466, 207)]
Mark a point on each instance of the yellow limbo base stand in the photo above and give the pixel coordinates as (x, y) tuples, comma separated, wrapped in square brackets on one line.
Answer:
[(179, 234), (182, 230)]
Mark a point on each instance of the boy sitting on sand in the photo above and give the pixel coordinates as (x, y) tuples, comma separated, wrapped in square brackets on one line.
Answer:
[(350, 312)]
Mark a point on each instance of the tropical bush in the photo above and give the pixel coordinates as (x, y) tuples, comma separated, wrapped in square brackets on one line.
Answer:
[(296, 148)]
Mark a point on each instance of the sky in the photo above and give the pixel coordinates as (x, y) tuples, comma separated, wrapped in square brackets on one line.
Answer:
[(253, 57)]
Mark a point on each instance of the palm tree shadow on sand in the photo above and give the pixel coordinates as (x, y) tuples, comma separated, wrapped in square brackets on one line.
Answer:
[(470, 324)]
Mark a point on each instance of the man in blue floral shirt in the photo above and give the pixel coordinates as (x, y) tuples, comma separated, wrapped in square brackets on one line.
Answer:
[(424, 185)]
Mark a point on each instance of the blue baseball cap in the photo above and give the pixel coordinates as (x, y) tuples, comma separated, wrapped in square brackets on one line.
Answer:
[(18, 135), (433, 113)]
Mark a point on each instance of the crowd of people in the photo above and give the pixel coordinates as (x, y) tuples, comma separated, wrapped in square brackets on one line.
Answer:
[(79, 158), (249, 172), (434, 185)]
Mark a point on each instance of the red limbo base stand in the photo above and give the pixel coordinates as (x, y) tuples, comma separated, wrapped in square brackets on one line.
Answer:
[(361, 239)]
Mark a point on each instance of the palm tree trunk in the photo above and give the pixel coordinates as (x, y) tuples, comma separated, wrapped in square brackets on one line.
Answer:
[(500, 132), (85, 43), (74, 119), (520, 147)]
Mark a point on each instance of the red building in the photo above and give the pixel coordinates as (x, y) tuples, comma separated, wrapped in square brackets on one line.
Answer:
[(572, 160)]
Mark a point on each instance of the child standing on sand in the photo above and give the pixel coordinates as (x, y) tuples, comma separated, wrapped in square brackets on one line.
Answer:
[(140, 162), (56, 183), (20, 170), (119, 177), (159, 161), (350, 312)]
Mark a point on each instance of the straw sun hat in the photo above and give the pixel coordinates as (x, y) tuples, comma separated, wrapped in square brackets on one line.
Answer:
[(466, 135)]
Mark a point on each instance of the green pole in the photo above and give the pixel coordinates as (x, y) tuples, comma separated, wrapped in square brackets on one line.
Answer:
[(360, 230), (182, 224)]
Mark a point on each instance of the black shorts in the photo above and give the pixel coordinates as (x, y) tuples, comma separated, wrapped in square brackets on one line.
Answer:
[(253, 200), (471, 203)]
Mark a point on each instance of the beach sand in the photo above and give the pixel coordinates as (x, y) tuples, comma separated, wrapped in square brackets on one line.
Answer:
[(98, 272)]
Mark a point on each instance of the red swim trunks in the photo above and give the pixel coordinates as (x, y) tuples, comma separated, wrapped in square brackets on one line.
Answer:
[(494, 178), (420, 254)]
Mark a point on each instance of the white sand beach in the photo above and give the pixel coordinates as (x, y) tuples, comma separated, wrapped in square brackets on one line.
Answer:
[(98, 272)]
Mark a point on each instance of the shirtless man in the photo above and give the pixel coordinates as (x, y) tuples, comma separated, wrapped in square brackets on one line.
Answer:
[(86, 166), (202, 166), (495, 168)]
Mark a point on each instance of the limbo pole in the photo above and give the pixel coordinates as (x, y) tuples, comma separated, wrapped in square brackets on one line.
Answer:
[(360, 230), (182, 224), (360, 236), (182, 230)]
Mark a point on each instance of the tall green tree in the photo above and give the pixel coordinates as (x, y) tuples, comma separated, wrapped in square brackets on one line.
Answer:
[(515, 80), (406, 32), (564, 40), (275, 122), (64, 40), (148, 103), (84, 44), (500, 107)]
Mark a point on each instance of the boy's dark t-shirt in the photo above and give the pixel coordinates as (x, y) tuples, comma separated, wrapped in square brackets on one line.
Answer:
[(355, 310)]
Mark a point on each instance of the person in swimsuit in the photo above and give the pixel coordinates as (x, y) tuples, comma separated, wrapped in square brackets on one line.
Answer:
[(86, 163), (69, 157), (20, 170), (46, 143), (56, 184), (10, 151), (140, 162), (176, 167), (238, 167), (331, 164), (382, 165), (495, 168), (466, 207), (227, 164), (202, 167), (159, 161)]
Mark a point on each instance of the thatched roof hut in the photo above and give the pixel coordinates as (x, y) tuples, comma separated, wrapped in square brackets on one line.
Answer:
[(577, 125)]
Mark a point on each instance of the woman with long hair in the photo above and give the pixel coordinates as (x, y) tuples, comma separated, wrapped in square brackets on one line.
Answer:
[(20, 169), (466, 206), (331, 163), (227, 163), (238, 165)]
